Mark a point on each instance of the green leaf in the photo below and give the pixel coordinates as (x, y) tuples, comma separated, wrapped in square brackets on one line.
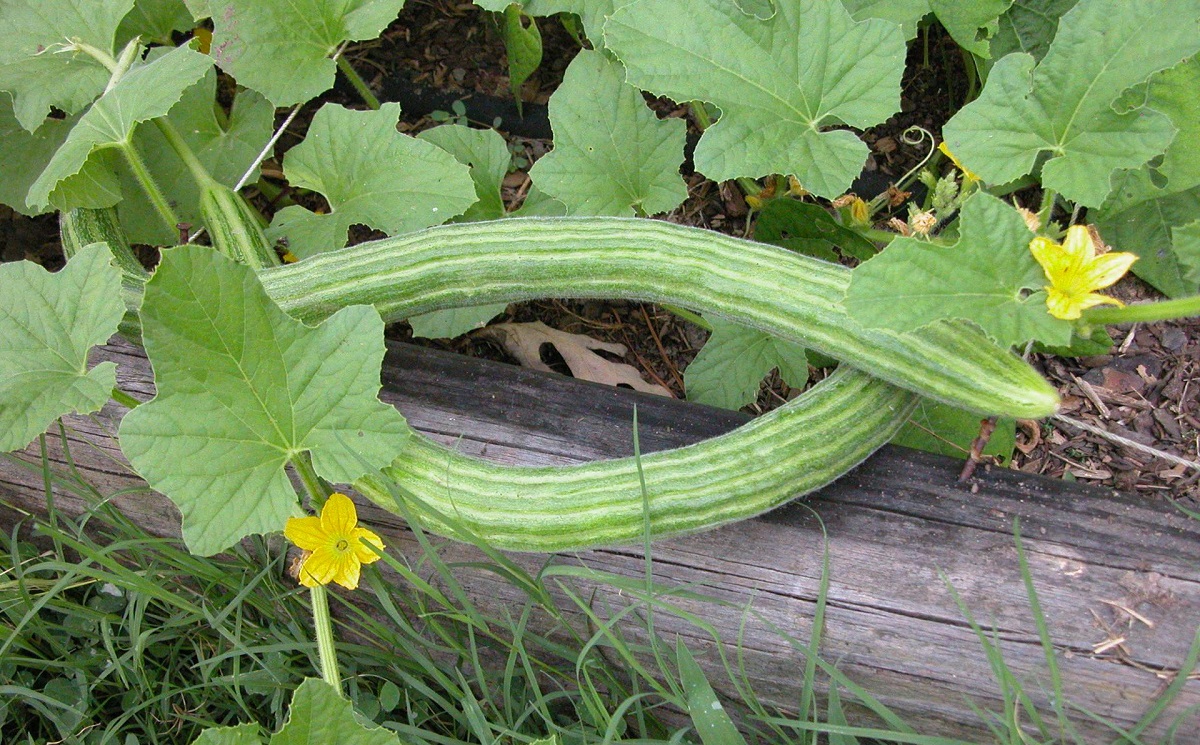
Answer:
[(945, 430), (1029, 26), (320, 716), (1186, 241), (225, 146), (199, 8), (777, 82), (1063, 105), (523, 45), (539, 204), (537, 7), (612, 155), (809, 229), (1149, 228), (709, 717), (485, 153), (48, 322), (30, 68), (906, 13), (982, 278), (370, 174), (1096, 343), (155, 20), (23, 156), (971, 23), (1174, 93), (731, 365), (282, 50), (447, 324), (243, 388), (243, 734), (145, 93)]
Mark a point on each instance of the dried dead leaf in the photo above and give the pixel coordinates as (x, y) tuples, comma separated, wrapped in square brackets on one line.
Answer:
[(524, 341)]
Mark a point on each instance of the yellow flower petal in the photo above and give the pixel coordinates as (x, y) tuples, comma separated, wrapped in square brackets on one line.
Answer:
[(968, 175), (348, 575), (305, 532), (1050, 255), (363, 551), (339, 516), (1107, 269), (336, 544), (319, 569), (1093, 299), (1075, 272), (1078, 245)]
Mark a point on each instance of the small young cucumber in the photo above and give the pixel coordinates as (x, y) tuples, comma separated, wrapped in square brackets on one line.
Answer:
[(782, 293), (793, 450)]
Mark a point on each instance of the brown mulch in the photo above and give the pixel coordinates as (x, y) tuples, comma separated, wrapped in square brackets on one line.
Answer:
[(1146, 389)]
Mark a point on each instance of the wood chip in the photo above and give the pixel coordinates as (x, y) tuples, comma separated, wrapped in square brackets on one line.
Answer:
[(1092, 396)]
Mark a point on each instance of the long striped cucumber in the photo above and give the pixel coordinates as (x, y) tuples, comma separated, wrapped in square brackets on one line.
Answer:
[(780, 292), (793, 450), (81, 227)]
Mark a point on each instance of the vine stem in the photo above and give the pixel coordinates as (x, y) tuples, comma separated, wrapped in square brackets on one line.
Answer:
[(1047, 208), (1162, 310), (124, 399), (146, 180), (323, 625), (179, 145), (356, 80), (319, 596)]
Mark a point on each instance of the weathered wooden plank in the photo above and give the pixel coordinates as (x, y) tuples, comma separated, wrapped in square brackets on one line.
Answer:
[(898, 528)]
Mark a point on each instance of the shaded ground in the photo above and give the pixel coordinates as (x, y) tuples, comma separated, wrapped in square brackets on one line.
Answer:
[(1146, 389)]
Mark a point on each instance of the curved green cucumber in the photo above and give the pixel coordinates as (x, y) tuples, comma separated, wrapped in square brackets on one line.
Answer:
[(780, 292), (788, 452), (81, 227)]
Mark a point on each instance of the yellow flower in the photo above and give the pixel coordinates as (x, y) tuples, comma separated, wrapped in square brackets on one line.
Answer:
[(1076, 272), (334, 542), (968, 175)]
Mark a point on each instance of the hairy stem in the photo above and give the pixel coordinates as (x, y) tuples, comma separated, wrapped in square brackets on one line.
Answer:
[(359, 84), (199, 173), (146, 180), (1163, 310)]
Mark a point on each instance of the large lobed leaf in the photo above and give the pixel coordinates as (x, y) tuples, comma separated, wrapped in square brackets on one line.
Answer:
[(48, 322), (243, 388), (612, 155), (971, 23), (1063, 106), (1148, 224), (732, 363), (282, 50), (74, 178), (371, 175), (1150, 209), (985, 278), (320, 715), (778, 82), (34, 73), (24, 155)]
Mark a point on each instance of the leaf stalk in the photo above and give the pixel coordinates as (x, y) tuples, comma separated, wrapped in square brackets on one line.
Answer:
[(1162, 310)]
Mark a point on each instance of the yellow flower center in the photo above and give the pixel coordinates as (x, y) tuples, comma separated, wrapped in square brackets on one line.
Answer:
[(342, 545)]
